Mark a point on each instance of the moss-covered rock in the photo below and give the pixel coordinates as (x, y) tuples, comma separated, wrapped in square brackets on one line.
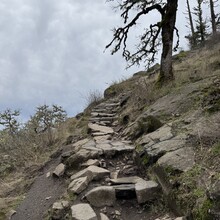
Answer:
[(144, 125)]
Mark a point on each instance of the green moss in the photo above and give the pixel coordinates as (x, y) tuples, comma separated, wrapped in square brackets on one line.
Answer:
[(2, 215), (145, 160), (139, 148), (202, 213), (199, 192), (72, 196), (216, 149), (211, 99)]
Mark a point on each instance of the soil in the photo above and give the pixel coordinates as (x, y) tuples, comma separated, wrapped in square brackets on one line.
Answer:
[(43, 193)]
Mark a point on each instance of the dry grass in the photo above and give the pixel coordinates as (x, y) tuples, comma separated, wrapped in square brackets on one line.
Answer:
[(198, 65)]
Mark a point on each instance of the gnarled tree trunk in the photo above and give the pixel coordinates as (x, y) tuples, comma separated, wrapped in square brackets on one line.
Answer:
[(168, 26), (213, 17)]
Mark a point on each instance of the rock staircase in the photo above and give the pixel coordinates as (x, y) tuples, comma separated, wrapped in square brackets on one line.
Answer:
[(106, 175), (103, 178)]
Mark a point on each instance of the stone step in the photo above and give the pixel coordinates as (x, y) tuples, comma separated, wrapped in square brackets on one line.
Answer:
[(99, 128), (142, 190), (103, 118), (99, 114)]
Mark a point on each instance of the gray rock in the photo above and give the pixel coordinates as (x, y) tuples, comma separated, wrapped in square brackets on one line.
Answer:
[(10, 214), (92, 172), (161, 134), (103, 217), (82, 173), (107, 149), (124, 148), (146, 191), (114, 174), (81, 156), (99, 128), (126, 180), (98, 172), (81, 142), (83, 212), (91, 162), (59, 170), (166, 146), (78, 185), (101, 196), (59, 209), (100, 139), (182, 159)]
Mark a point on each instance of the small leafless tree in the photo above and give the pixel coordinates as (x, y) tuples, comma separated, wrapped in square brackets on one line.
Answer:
[(8, 119)]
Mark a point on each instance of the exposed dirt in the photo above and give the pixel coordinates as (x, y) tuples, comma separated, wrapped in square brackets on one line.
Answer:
[(43, 193)]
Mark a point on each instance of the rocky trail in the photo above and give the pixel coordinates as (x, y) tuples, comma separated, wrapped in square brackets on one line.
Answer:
[(100, 176)]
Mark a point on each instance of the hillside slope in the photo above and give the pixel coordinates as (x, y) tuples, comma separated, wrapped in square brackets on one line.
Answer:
[(147, 153)]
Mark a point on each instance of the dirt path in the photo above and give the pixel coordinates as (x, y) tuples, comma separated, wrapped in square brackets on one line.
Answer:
[(43, 193)]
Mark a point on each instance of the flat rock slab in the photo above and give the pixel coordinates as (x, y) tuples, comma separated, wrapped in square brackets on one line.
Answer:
[(90, 162), (107, 149), (126, 180), (166, 146), (59, 170), (92, 172), (182, 159), (83, 212), (146, 191), (101, 196), (99, 128), (81, 156), (82, 173), (78, 185), (98, 172), (100, 139), (161, 134)]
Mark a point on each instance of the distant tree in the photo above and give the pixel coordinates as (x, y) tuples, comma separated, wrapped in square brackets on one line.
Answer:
[(47, 117), (8, 119), (161, 31), (192, 36), (45, 120), (201, 25)]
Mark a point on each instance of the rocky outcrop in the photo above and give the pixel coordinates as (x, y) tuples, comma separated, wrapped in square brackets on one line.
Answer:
[(167, 149)]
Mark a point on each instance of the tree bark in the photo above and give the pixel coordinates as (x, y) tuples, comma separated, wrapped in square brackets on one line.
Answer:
[(213, 17), (191, 23), (168, 26)]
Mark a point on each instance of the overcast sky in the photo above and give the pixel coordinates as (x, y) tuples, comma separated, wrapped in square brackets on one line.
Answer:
[(51, 52)]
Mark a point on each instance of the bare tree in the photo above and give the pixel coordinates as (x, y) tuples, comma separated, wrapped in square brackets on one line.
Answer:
[(8, 119), (160, 32), (201, 24), (213, 17), (47, 117), (191, 37)]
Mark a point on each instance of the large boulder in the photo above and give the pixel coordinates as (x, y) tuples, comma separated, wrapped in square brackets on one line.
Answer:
[(143, 125), (101, 196), (146, 191)]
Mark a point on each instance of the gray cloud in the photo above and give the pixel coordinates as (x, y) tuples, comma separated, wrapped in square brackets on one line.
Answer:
[(52, 52)]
